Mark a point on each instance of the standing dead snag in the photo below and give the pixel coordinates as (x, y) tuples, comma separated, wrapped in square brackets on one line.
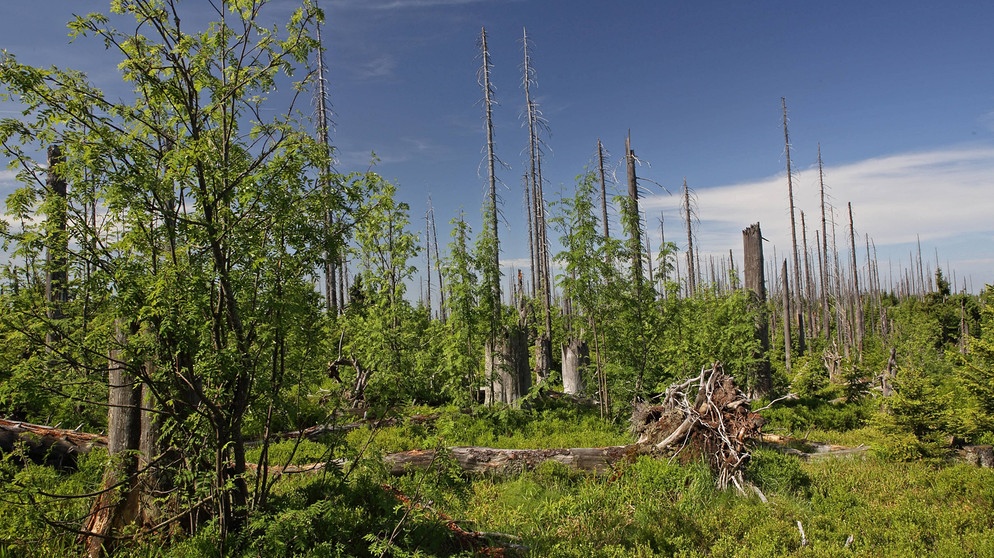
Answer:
[(703, 416)]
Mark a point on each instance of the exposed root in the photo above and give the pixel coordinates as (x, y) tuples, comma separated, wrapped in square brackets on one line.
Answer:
[(707, 416)]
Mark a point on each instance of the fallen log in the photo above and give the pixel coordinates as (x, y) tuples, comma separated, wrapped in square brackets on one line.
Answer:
[(806, 450), (47, 445), (481, 460)]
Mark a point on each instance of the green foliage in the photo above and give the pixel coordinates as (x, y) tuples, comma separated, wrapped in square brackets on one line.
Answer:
[(977, 368), (776, 472)]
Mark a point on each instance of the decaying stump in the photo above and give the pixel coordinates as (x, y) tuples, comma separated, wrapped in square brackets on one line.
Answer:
[(980, 456), (703, 416), (576, 358)]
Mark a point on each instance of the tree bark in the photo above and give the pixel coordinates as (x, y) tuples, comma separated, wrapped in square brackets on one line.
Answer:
[(511, 461), (576, 359), (117, 507), (760, 380), (507, 373)]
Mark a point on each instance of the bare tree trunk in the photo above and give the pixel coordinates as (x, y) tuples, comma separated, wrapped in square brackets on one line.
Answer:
[(57, 245), (438, 265), (488, 102), (790, 196), (857, 297), (507, 372), (825, 286), (116, 508), (532, 243), (636, 232), (752, 244), (786, 317), (576, 359), (691, 268), (603, 180), (332, 300), (543, 345)]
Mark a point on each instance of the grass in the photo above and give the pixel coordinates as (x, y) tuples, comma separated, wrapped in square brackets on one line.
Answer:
[(646, 507)]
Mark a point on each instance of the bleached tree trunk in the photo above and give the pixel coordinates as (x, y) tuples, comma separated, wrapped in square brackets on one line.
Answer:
[(790, 197), (857, 297), (786, 317), (543, 344), (825, 284), (691, 268), (507, 372), (603, 182), (333, 300), (576, 359)]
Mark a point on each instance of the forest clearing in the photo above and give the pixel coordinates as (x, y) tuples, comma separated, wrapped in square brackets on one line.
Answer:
[(213, 344)]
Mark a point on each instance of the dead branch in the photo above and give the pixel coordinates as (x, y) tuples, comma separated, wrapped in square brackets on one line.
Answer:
[(705, 416)]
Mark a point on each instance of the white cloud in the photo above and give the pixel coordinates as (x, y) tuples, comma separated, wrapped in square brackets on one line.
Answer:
[(380, 67), (942, 197)]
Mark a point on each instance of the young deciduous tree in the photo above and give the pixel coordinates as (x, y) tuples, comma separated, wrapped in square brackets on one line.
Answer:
[(211, 229)]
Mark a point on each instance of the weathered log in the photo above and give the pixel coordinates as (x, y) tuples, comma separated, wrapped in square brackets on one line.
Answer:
[(481, 460), (807, 450), (45, 445)]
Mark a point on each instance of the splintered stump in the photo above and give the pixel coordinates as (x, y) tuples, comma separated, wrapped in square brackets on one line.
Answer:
[(703, 416)]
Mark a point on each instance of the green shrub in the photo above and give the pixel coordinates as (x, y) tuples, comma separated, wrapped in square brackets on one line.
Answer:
[(775, 472)]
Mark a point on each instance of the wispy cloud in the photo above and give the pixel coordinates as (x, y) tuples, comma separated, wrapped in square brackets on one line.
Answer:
[(382, 66), (940, 196)]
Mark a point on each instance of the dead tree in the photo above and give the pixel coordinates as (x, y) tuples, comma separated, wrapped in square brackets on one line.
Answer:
[(857, 297), (603, 182), (691, 268), (116, 508), (635, 234), (576, 359), (786, 316), (755, 283), (333, 302), (543, 344), (57, 245), (790, 197), (507, 372), (826, 314)]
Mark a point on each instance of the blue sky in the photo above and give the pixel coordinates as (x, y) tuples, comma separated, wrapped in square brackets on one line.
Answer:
[(900, 95)]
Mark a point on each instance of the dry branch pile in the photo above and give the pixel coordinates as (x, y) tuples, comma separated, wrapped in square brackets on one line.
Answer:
[(707, 416)]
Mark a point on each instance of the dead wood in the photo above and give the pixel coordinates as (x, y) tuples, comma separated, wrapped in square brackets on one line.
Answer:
[(480, 460), (807, 450), (980, 456), (705, 416), (46, 445)]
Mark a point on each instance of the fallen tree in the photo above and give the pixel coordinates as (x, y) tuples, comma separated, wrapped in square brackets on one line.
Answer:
[(704, 416), (47, 445)]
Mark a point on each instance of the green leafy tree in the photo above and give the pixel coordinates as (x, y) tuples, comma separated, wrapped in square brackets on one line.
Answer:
[(210, 224)]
